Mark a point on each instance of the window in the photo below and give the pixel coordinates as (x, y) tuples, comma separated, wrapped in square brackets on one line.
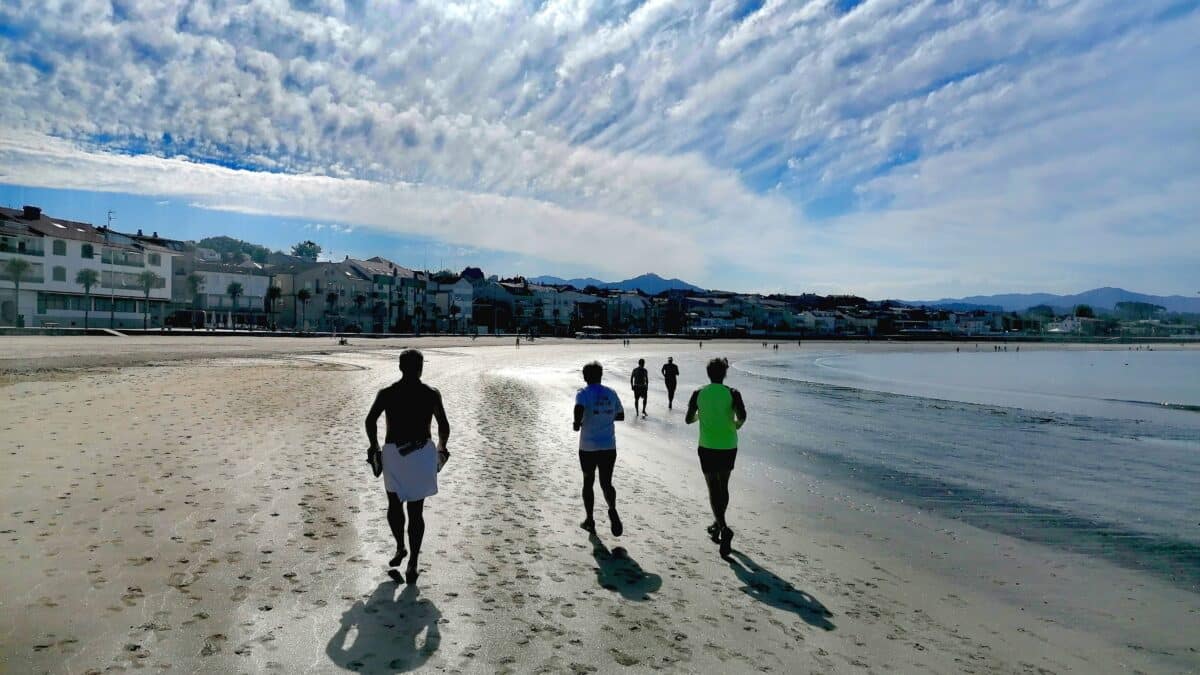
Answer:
[(87, 251), (155, 259), (60, 273), (59, 247)]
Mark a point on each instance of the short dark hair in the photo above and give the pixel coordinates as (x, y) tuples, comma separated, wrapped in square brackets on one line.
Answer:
[(641, 362), (717, 369), (592, 372), (411, 361)]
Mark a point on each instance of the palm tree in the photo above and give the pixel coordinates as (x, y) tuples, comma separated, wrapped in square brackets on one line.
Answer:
[(195, 282), (359, 301), (147, 281), (331, 299), (379, 313), (274, 293), (454, 311), (15, 269), (87, 278), (234, 291), (303, 295)]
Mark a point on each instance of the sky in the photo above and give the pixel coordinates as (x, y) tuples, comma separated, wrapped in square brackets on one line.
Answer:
[(889, 148)]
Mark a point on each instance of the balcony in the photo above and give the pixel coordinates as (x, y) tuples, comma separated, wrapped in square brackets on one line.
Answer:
[(22, 250)]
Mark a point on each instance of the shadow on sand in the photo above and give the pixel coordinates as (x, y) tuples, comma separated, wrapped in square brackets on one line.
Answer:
[(764, 586), (388, 630), (616, 571)]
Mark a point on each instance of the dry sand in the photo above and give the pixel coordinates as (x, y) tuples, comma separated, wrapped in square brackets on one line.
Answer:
[(216, 515)]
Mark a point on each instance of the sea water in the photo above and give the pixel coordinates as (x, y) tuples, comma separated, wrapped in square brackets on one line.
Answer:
[(1097, 452)]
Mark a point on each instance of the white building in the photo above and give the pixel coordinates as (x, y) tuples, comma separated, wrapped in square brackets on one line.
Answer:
[(56, 250), (452, 298)]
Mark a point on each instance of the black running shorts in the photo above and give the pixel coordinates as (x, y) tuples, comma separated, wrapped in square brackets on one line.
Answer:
[(590, 460), (716, 461)]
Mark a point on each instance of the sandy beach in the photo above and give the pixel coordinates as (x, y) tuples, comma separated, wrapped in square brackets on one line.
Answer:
[(202, 505)]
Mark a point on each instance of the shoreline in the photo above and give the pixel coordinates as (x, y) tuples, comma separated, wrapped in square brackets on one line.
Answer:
[(23, 355), (906, 590)]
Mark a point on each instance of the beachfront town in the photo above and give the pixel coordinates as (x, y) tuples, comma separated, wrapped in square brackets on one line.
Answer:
[(57, 273)]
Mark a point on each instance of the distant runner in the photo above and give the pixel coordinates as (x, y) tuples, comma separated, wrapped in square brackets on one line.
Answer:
[(596, 408), (639, 379), (408, 461), (670, 373), (721, 412)]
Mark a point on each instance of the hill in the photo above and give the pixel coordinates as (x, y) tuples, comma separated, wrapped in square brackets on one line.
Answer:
[(1099, 298), (651, 284)]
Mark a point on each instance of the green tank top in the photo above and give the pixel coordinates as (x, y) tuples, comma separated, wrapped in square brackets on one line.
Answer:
[(718, 430)]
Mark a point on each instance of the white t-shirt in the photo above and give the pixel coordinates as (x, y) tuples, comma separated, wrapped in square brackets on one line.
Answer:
[(600, 407)]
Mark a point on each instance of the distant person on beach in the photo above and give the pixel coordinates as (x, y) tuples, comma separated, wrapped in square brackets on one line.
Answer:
[(721, 413), (639, 379), (408, 461), (596, 408), (670, 373)]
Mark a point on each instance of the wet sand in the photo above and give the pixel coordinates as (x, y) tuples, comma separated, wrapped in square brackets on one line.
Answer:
[(215, 514)]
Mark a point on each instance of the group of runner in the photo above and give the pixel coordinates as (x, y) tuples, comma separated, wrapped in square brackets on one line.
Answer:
[(409, 461)]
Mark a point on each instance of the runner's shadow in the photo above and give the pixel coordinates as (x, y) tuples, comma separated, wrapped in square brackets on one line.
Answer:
[(388, 628), (616, 571), (764, 586)]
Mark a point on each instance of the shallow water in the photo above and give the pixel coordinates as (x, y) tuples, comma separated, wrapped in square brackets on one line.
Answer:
[(1064, 448)]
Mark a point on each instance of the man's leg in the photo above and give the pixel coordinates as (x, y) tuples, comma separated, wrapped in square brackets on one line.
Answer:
[(718, 496), (589, 497), (670, 396), (395, 518), (610, 492), (416, 533)]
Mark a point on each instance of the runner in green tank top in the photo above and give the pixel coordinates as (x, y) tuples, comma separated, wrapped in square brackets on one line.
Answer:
[(721, 412)]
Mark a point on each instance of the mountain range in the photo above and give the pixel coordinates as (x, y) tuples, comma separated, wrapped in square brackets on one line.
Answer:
[(651, 284), (1098, 298)]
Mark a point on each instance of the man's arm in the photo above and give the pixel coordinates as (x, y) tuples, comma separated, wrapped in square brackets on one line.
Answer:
[(578, 417), (619, 415), (631, 376), (739, 408), (693, 408), (439, 412), (372, 419)]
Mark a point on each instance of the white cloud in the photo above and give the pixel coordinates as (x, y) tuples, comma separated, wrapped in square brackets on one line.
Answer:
[(606, 134)]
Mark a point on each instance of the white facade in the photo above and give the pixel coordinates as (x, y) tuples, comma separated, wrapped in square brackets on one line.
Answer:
[(49, 295)]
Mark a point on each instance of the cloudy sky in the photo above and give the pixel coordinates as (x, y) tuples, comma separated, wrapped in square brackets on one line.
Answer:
[(893, 148)]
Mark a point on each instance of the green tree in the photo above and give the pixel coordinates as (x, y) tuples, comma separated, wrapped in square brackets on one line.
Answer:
[(234, 290), (331, 301), (16, 269), (307, 250), (87, 278), (303, 295), (233, 249), (195, 282), (147, 281), (274, 293), (1085, 312)]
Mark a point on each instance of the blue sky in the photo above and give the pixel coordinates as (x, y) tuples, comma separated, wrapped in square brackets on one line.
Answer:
[(898, 148)]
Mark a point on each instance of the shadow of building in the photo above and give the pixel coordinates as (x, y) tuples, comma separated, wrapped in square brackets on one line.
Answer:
[(387, 632), (616, 571), (766, 587)]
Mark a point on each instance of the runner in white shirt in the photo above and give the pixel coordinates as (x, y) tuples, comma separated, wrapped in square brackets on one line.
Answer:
[(596, 408)]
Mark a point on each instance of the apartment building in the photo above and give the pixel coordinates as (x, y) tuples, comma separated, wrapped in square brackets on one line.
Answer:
[(52, 252)]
